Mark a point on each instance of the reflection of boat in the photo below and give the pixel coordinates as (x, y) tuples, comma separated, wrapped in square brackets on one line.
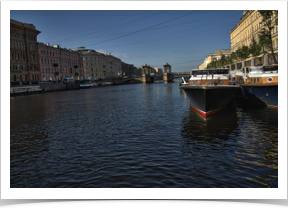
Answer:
[(209, 90), (27, 90), (261, 85), (219, 126), (84, 86)]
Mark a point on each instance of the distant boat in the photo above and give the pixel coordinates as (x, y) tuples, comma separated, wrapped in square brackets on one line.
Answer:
[(259, 84), (209, 90), (25, 90), (84, 86)]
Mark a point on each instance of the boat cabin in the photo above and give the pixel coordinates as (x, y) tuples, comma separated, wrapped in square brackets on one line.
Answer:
[(209, 77), (260, 75)]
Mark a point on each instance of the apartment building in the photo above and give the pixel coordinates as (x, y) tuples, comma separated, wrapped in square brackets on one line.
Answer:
[(214, 57), (98, 65), (57, 63), (249, 26), (24, 64)]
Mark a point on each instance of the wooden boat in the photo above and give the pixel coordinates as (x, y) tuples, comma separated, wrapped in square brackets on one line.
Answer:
[(25, 90), (209, 90), (260, 85)]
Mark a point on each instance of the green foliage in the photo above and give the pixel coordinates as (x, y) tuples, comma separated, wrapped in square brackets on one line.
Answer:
[(265, 36), (255, 48), (243, 53)]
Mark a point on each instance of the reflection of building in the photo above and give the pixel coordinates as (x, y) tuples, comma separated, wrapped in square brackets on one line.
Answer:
[(214, 57), (249, 27), (99, 65), (24, 66), (57, 63)]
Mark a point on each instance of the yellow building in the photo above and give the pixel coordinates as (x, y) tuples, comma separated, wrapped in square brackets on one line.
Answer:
[(214, 57), (250, 26)]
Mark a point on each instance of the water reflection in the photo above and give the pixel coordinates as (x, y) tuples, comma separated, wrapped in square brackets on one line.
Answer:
[(138, 136)]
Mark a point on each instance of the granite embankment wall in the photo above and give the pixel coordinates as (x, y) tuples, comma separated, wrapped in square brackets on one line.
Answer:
[(53, 87)]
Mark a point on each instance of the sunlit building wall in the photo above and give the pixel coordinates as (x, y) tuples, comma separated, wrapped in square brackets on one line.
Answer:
[(248, 27), (98, 65), (214, 57)]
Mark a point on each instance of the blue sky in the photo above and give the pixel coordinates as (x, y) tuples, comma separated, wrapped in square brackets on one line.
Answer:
[(180, 33), (183, 38)]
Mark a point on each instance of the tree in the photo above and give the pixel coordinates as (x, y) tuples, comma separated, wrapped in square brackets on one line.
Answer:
[(223, 60), (266, 31), (255, 48), (243, 52), (234, 56)]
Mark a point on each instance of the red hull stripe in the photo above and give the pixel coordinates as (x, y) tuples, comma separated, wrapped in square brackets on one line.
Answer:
[(204, 114), (272, 106)]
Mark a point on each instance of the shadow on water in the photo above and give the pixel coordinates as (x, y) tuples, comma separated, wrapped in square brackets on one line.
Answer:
[(239, 145)]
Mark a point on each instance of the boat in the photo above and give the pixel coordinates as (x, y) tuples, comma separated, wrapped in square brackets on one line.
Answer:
[(185, 81), (25, 90), (209, 90), (259, 85), (84, 86), (93, 84)]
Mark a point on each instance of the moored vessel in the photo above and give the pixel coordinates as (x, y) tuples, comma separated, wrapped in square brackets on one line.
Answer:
[(260, 85), (25, 90), (209, 90)]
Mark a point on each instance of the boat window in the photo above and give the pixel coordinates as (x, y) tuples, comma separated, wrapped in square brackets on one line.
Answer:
[(195, 82), (220, 82)]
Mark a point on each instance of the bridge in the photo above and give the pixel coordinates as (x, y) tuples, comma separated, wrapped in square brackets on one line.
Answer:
[(146, 76)]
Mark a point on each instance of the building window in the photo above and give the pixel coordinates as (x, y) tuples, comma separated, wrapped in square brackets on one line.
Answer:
[(46, 70), (25, 77), (22, 46), (12, 67), (23, 57), (28, 37), (18, 67), (53, 53), (24, 68), (16, 45), (31, 47), (34, 68), (15, 35), (90, 58), (86, 64), (21, 36), (11, 56), (10, 43), (41, 60), (17, 56), (42, 70), (14, 78)]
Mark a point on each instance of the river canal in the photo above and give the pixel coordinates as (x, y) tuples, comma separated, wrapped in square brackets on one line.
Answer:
[(139, 135)]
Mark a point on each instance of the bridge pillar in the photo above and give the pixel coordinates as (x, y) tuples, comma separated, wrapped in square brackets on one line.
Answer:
[(167, 76)]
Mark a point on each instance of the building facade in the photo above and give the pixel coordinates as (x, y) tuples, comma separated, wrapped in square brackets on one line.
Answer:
[(158, 70), (128, 69), (249, 27), (57, 63), (214, 57), (98, 65), (24, 61)]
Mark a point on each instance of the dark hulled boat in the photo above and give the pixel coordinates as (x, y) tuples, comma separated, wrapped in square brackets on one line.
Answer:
[(260, 85), (209, 90)]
